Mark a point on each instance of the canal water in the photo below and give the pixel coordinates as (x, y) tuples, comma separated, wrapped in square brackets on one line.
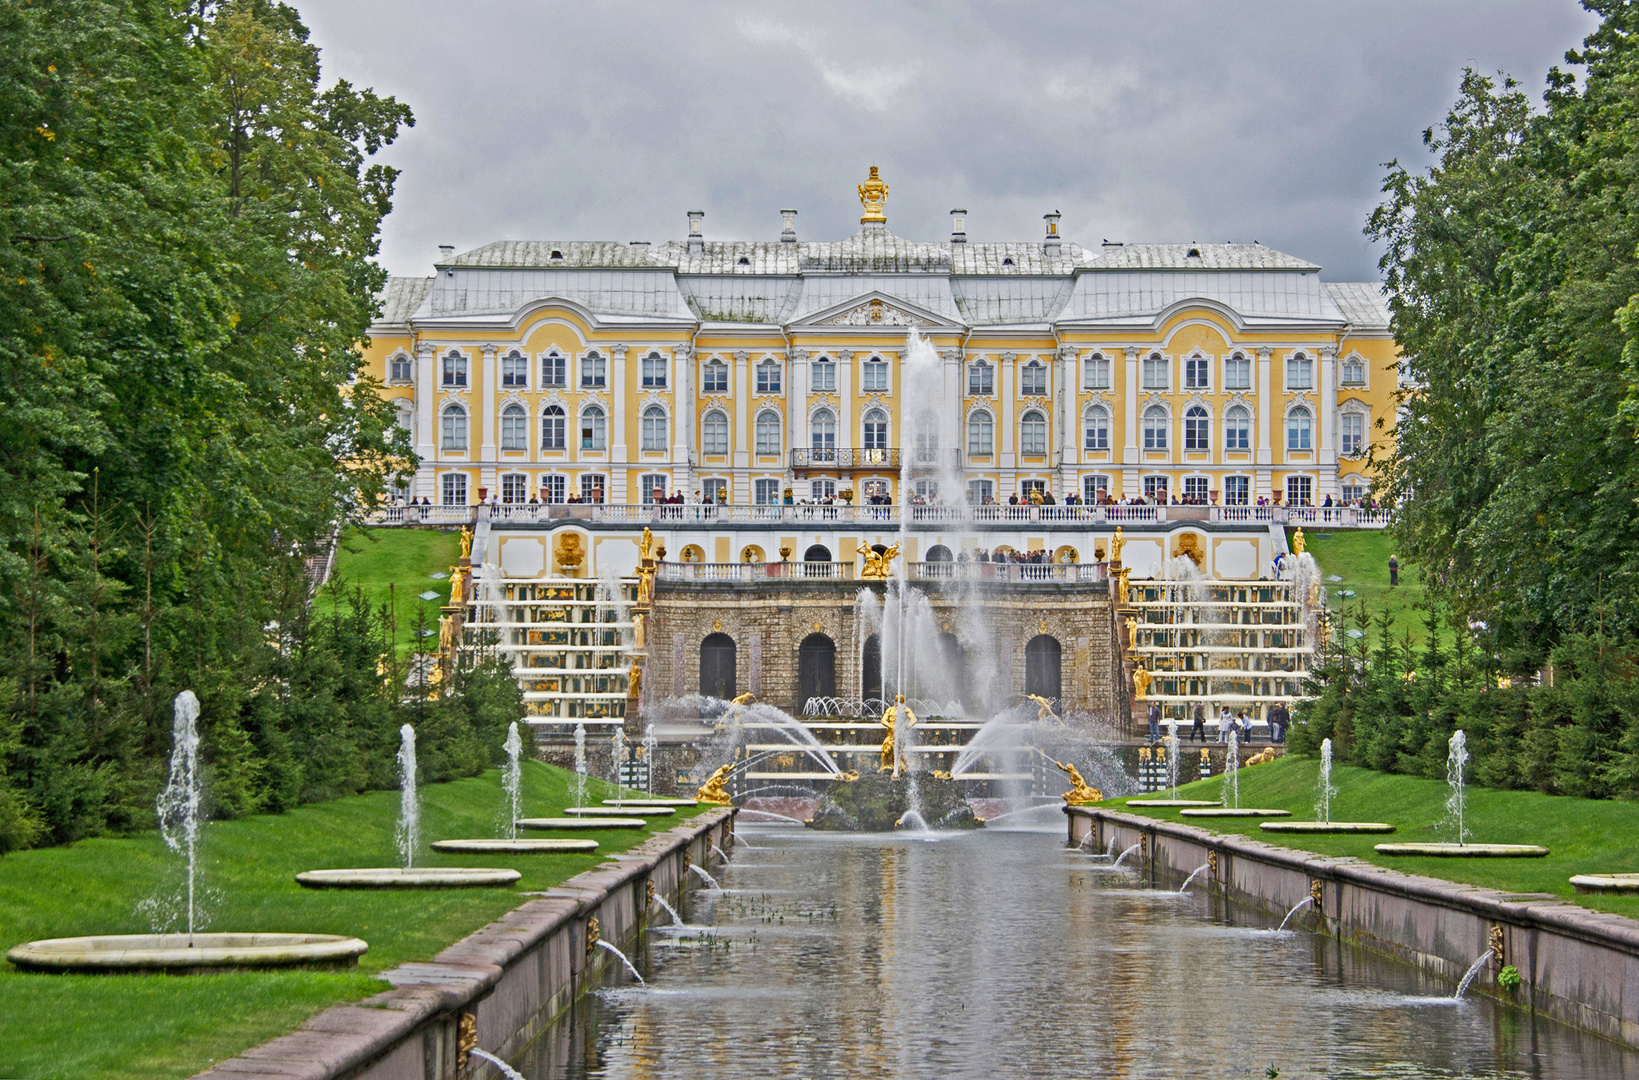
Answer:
[(995, 954)]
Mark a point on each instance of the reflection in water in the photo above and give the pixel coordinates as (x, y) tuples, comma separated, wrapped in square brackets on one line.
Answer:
[(1000, 954)]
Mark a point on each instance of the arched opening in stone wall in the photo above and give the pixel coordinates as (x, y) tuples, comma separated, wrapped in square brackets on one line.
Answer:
[(816, 669), (717, 666), (954, 659), (1043, 667), (939, 553), (870, 680), (817, 553)]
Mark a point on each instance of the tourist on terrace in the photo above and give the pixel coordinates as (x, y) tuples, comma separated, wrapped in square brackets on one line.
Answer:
[(1155, 722), (1197, 731), (1243, 727), (1226, 721), (1278, 719)]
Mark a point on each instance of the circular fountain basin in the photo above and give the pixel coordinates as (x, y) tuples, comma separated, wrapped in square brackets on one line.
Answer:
[(1311, 827), (651, 802), (1466, 851), (1233, 811), (580, 823), (620, 811), (392, 877), (171, 952), (1175, 802), (513, 847), (1606, 883)]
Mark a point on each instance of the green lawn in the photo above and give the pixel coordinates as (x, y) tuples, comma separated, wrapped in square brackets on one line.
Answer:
[(397, 564), (1582, 835), (1361, 558), (173, 1026)]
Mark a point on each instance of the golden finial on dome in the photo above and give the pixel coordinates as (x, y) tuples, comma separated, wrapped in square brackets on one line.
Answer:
[(872, 194)]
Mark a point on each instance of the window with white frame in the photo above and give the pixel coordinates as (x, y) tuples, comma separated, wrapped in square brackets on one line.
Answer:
[(874, 374), (404, 416), (654, 372), (768, 432), (822, 375), (926, 490), (981, 379), (514, 428), (714, 380), (980, 492), (553, 370), (514, 371), (455, 368), (1299, 491), (651, 487), (514, 487), (1197, 373), (454, 428), (654, 429), (594, 370), (552, 428), (1095, 489), (716, 490), (981, 434), (1354, 372), (768, 377), (592, 487), (399, 369), (822, 435), (1095, 372), (1197, 489), (1095, 429), (765, 492), (1300, 372), (1237, 491), (1299, 430), (454, 489), (714, 433), (1155, 487), (1354, 489), (1197, 429), (1237, 429), (1033, 434), (1155, 428), (1155, 372), (1351, 433), (554, 489), (875, 430), (1027, 486), (1033, 379), (592, 427), (1238, 372), (822, 489)]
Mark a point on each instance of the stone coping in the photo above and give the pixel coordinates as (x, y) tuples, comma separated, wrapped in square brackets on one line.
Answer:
[(542, 846), (651, 802), (345, 1038), (580, 823), (620, 811), (174, 952), (1466, 851), (1606, 883), (1174, 802), (1233, 811), (1326, 826), (392, 877)]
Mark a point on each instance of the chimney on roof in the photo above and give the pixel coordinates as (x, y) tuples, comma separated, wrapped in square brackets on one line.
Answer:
[(958, 226), (788, 233), (697, 243), (1050, 242), (446, 252)]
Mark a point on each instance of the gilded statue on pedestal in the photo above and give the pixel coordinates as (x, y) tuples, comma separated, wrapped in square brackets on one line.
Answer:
[(712, 791), (1117, 542), (639, 631), (1299, 544), (645, 547), (466, 543), (1081, 793), (1141, 682), (878, 566), (1132, 632), (872, 194), (634, 683), (892, 716)]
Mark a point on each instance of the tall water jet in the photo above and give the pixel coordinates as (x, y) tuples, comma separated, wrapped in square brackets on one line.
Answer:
[(511, 779), (1456, 762), (409, 809), (580, 764), (1172, 757), (617, 750), (1325, 790), (1232, 773), (650, 745), (179, 803)]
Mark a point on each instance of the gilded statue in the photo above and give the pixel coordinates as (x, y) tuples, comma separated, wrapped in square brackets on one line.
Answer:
[(872, 194), (1264, 756), (744, 699), (466, 543), (1132, 632), (634, 683), (458, 585), (1298, 542), (645, 584), (1141, 682), (1188, 544), (712, 791), (878, 566), (645, 547), (639, 631), (568, 552), (891, 717), (1044, 707), (1117, 542), (1081, 793)]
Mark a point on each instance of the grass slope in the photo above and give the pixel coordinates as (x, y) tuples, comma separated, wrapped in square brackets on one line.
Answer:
[(171, 1026), (397, 564), (1361, 558), (1583, 835)]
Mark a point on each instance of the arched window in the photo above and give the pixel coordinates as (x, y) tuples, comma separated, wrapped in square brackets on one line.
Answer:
[(1238, 372), (768, 377), (939, 553), (874, 374), (455, 368), (1095, 372), (1197, 429), (1155, 372), (714, 433), (1300, 372), (1354, 372), (1155, 428), (1043, 667), (1033, 379), (876, 430), (591, 429), (822, 375), (552, 369), (552, 428), (1197, 373), (654, 371), (1096, 429), (514, 428), (455, 428), (715, 380), (817, 553), (1298, 429), (404, 416), (768, 432), (717, 666), (816, 669), (654, 429), (981, 379), (1033, 434), (1237, 429), (400, 369), (981, 434), (594, 370), (514, 371), (822, 436)]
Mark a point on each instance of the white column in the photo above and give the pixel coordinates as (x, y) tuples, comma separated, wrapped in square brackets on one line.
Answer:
[(742, 409), (1004, 421), (682, 416), (426, 422), (950, 427), (1326, 451), (845, 397), (796, 416), (618, 457), (1130, 457), (1067, 396), (486, 450), (1268, 404)]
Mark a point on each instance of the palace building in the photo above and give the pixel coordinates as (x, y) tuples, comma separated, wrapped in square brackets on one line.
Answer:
[(767, 372)]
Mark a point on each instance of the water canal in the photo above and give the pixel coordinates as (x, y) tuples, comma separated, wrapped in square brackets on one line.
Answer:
[(995, 953)]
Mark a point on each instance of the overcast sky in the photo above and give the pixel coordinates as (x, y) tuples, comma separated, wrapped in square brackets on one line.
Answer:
[(1140, 121)]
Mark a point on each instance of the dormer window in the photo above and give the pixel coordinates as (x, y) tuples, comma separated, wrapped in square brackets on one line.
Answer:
[(1194, 253), (1007, 262), (556, 254), (744, 261)]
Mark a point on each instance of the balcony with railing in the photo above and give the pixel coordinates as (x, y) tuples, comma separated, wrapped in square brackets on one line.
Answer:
[(1342, 517), (836, 514)]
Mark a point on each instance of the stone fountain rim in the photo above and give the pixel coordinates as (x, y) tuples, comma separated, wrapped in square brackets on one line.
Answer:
[(148, 952), (534, 846), (1605, 883), (597, 822), (1326, 826), (618, 811), (392, 877), (1175, 802), (1233, 811), (651, 802), (1471, 851)]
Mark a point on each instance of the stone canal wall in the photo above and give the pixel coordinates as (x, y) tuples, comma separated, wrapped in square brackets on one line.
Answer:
[(1576, 965), (498, 988)]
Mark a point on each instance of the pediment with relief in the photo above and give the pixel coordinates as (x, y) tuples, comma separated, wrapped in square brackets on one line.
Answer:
[(875, 309)]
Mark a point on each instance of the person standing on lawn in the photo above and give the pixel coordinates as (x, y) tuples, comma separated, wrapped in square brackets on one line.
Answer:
[(1394, 570)]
